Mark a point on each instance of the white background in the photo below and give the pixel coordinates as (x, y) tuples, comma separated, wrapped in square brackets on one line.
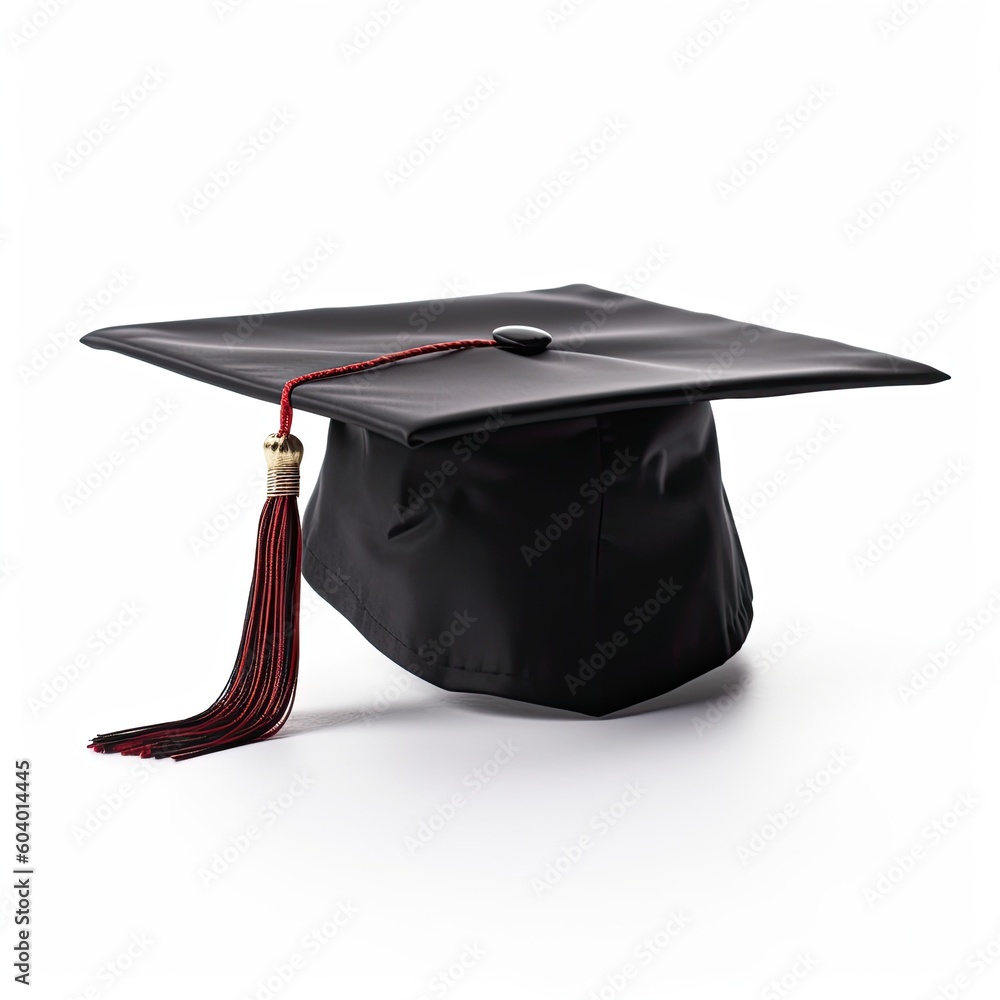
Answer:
[(121, 850)]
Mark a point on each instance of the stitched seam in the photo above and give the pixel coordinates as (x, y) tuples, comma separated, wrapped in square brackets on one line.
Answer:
[(364, 607)]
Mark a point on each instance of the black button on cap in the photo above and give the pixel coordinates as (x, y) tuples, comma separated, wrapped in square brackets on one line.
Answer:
[(522, 339)]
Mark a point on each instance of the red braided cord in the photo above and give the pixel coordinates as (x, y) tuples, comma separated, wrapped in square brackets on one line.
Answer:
[(385, 359)]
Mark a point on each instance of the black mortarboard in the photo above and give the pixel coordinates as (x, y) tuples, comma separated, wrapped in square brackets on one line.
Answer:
[(544, 520)]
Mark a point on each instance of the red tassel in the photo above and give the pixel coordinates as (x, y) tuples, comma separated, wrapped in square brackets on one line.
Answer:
[(258, 696)]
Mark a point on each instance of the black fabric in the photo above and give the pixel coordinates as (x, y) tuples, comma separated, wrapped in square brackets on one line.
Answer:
[(586, 564), (561, 535), (610, 352)]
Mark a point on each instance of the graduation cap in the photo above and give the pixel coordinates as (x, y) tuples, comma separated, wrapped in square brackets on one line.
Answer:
[(521, 493)]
